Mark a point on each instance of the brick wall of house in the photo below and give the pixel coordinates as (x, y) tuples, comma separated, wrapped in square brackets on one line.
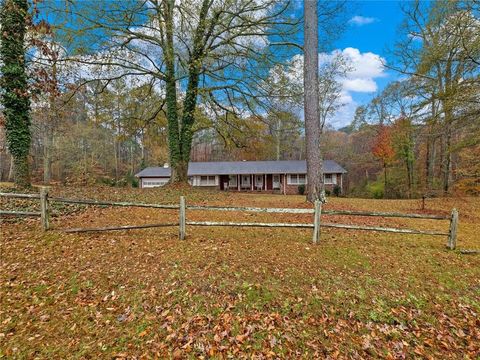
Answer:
[(293, 189), (329, 187)]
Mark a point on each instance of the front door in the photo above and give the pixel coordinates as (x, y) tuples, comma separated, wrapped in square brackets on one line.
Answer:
[(245, 181), (276, 182), (259, 182)]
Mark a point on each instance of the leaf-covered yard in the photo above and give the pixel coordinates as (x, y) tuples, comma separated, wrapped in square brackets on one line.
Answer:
[(237, 292)]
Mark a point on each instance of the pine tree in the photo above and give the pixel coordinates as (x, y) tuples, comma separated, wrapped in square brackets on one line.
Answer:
[(311, 105)]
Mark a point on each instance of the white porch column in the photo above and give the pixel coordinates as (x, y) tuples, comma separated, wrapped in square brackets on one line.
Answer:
[(252, 179), (238, 182), (265, 181)]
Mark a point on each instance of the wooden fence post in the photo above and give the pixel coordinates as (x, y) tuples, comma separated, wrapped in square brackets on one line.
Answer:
[(316, 221), (452, 235), (44, 208), (182, 220)]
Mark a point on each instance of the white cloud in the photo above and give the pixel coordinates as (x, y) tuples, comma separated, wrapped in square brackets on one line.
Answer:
[(346, 113), (365, 69), (362, 20), (359, 85), (365, 65)]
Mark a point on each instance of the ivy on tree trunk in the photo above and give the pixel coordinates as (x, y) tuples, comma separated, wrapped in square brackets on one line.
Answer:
[(202, 48), (180, 132), (15, 98)]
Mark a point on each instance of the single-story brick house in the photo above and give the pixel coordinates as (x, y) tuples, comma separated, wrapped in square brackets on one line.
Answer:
[(283, 176)]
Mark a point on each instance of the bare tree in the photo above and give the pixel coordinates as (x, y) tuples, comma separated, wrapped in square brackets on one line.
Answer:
[(439, 50), (207, 51)]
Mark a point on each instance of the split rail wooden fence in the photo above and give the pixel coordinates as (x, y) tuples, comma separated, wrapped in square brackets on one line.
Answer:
[(316, 225)]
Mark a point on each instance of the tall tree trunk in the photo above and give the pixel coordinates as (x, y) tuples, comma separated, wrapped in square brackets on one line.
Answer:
[(311, 106), (115, 152), (85, 162), (105, 152), (188, 118), (441, 155), (15, 99), (409, 167), (171, 93), (142, 147), (430, 156), (447, 169), (410, 156), (21, 171), (277, 155), (11, 170), (447, 157), (433, 159), (47, 154), (428, 165), (180, 132), (385, 178), (132, 160), (448, 111), (278, 139), (48, 132)]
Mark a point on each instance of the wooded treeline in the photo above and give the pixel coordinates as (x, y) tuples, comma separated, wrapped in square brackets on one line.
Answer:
[(427, 133), (99, 114), (110, 136)]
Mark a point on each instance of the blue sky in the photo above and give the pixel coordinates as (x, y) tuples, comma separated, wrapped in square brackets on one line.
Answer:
[(380, 29), (372, 29)]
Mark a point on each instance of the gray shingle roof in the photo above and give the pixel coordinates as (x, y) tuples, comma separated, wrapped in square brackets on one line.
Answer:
[(244, 167)]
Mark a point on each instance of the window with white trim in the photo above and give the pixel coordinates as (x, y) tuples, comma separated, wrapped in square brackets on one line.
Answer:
[(330, 178), (207, 180), (297, 179), (232, 180), (154, 183)]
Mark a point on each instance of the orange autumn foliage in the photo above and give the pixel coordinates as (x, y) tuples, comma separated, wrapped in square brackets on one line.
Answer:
[(382, 148)]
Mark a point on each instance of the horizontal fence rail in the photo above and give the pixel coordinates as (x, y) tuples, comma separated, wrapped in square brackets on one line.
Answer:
[(394, 230), (182, 223), (251, 209), (385, 214), (111, 203), (312, 211), (19, 213), (308, 225), (20, 196), (126, 227), (249, 224)]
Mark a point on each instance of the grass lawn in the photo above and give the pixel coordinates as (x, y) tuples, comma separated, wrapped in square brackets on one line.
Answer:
[(237, 292)]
